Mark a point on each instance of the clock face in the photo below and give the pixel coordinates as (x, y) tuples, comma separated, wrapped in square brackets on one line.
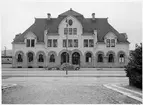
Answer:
[(70, 22)]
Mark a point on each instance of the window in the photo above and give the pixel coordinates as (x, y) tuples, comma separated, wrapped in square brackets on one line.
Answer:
[(112, 42), (121, 58), (19, 59), (70, 22), (111, 58), (85, 42), (70, 31), (49, 42), (88, 57), (30, 57), (91, 43), (32, 42), (65, 31), (41, 59), (108, 43), (75, 43), (70, 43), (54, 42), (64, 43), (52, 58), (100, 58), (75, 31), (28, 43)]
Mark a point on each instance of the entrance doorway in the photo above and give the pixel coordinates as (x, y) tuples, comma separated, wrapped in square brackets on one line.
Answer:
[(64, 57), (76, 58)]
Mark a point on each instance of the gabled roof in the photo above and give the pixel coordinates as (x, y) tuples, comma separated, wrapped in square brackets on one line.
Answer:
[(89, 25), (71, 12)]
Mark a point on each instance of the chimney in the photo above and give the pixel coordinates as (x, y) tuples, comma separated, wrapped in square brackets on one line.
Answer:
[(93, 16), (49, 16)]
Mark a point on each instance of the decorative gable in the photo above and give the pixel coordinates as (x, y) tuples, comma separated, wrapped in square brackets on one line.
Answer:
[(110, 35), (30, 35), (70, 22)]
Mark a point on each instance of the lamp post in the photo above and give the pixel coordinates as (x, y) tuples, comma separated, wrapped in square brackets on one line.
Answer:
[(66, 47)]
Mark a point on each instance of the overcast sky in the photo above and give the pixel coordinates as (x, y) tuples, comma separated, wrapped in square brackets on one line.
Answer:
[(16, 17)]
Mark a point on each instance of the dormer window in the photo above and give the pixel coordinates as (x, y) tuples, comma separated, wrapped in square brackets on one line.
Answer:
[(30, 43), (110, 39), (110, 42)]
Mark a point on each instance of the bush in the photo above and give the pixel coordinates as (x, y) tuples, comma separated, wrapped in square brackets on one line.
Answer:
[(134, 67)]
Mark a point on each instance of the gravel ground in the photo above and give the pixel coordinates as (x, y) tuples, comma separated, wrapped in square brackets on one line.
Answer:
[(65, 90)]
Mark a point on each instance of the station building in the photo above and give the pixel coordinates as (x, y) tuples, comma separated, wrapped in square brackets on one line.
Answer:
[(88, 42)]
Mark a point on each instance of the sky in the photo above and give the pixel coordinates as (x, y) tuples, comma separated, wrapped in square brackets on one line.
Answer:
[(17, 16)]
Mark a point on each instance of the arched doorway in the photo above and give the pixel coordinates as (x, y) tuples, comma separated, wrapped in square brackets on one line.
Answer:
[(64, 57), (30, 57), (76, 58)]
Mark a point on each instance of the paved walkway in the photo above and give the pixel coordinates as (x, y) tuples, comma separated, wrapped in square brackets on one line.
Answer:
[(63, 73), (130, 93), (83, 72), (64, 90)]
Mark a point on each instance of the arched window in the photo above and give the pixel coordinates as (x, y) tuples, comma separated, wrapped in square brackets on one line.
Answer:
[(88, 57), (52, 58), (121, 58), (111, 58), (19, 59), (41, 59), (30, 57), (100, 58)]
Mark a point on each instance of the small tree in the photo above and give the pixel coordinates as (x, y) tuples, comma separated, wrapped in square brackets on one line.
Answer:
[(134, 67)]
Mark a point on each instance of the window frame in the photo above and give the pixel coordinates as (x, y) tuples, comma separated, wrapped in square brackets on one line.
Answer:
[(32, 60), (52, 58), (109, 59), (112, 42), (39, 60), (70, 31), (122, 59), (107, 42), (48, 43), (91, 43), (70, 43), (64, 43), (99, 60), (19, 61), (32, 42), (65, 31), (75, 41), (74, 31), (55, 43), (84, 42), (87, 57), (27, 42)]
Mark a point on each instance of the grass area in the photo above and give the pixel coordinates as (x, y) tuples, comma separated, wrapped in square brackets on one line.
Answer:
[(133, 88)]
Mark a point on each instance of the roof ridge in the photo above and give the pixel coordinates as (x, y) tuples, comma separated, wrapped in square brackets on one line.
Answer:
[(70, 12)]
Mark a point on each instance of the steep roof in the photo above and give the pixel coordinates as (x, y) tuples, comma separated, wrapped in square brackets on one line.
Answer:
[(71, 12), (89, 25)]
